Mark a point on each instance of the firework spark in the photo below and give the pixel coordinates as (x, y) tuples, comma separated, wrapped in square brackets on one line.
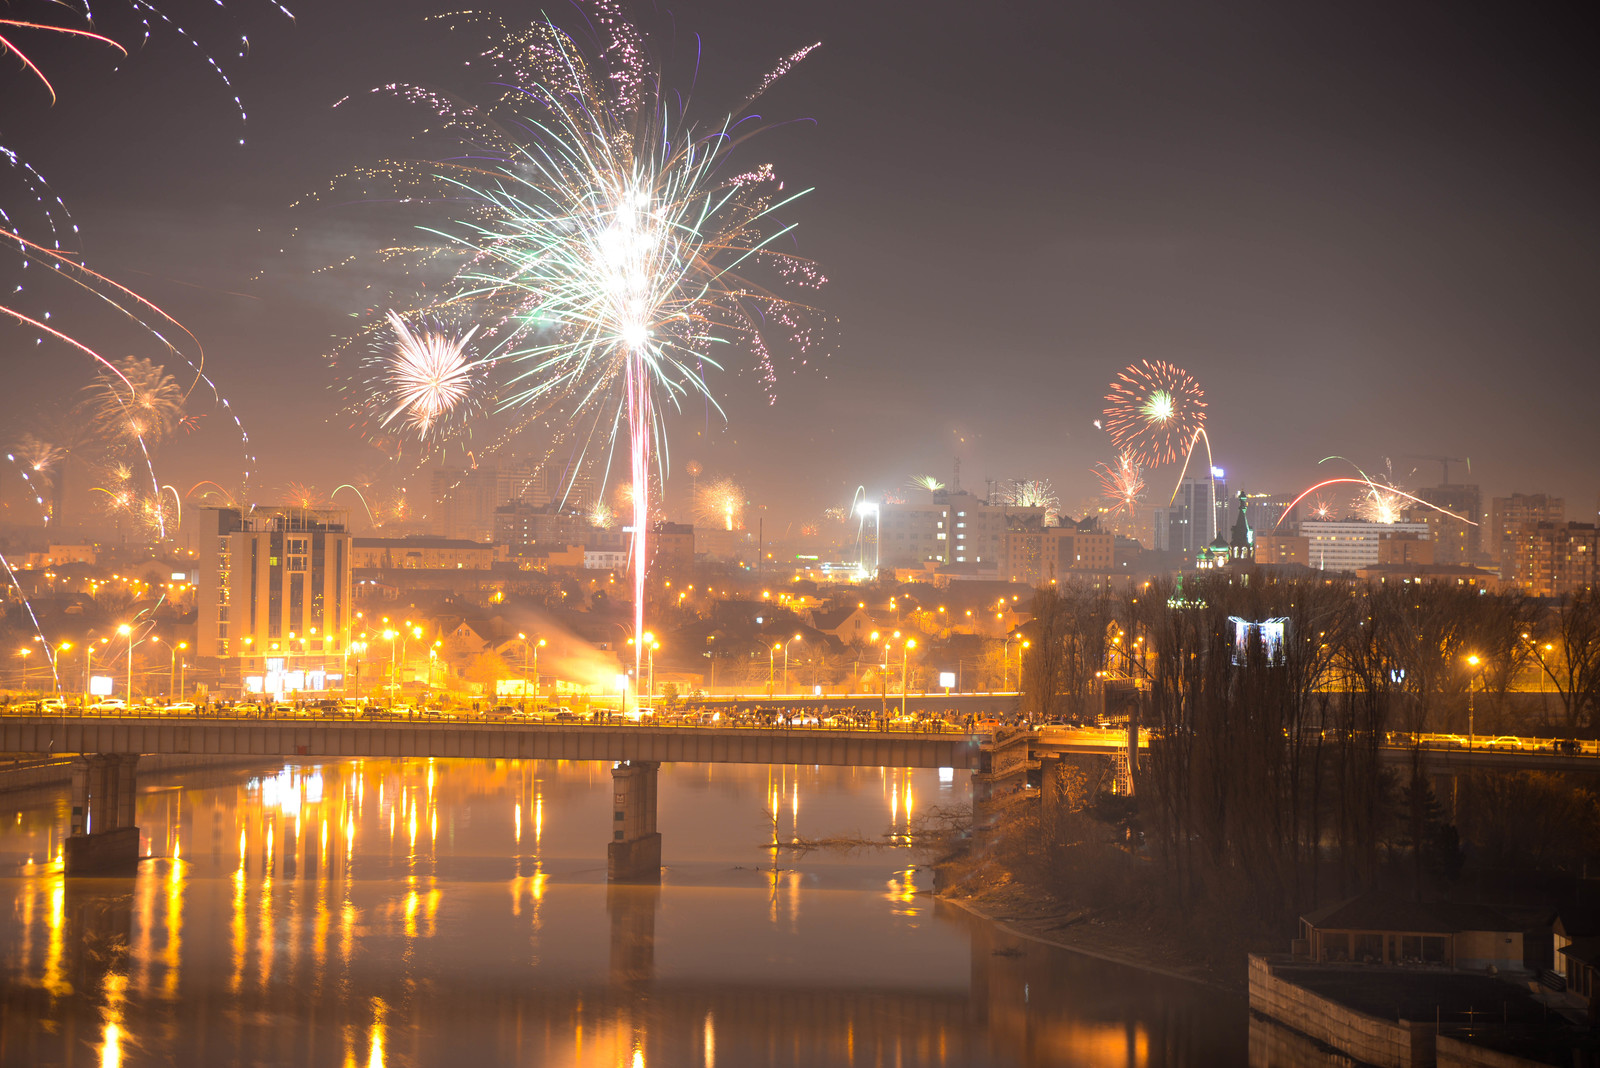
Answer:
[(925, 482), (601, 515), (1032, 493), (140, 403), (721, 503), (1153, 412), (1121, 484), (427, 383), (609, 253)]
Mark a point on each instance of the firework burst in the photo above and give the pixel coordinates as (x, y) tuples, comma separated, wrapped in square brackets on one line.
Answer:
[(1121, 484), (605, 241), (1153, 412), (140, 402), (426, 383), (721, 504), (1032, 493), (925, 482)]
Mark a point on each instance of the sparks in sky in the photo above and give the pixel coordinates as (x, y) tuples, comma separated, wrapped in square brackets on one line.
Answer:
[(1033, 493), (1121, 484), (605, 241), (721, 503), (925, 482), (1153, 412), (427, 383)]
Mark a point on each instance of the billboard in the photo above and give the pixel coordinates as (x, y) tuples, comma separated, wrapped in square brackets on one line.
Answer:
[(101, 685), (1264, 638)]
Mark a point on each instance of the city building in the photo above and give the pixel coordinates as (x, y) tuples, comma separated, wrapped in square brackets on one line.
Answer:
[(422, 553), (465, 499), (671, 548), (1350, 544), (1283, 549), (942, 526), (1191, 522), (1552, 559), (1455, 540), (1508, 515), (1409, 549), (275, 597), (1037, 555)]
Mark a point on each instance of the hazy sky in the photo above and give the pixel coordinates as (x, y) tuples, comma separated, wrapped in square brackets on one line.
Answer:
[(1367, 228)]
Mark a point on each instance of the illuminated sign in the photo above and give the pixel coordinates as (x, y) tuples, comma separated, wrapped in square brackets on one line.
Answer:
[(1264, 638), (100, 685), (947, 679)]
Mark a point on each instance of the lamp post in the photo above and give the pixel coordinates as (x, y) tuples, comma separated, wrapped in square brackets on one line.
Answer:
[(63, 647), (394, 663), (772, 655), (24, 653), (905, 657), (127, 632), (1473, 660), (786, 663), (172, 668)]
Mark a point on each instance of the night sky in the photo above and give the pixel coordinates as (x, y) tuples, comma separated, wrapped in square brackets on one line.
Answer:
[(1368, 229)]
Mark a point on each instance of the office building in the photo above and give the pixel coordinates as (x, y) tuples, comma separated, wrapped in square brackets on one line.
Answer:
[(1351, 544), (274, 592)]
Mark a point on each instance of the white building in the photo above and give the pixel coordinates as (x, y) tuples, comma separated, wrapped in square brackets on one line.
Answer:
[(1350, 544)]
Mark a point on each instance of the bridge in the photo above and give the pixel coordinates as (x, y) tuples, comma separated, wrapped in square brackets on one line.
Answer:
[(107, 750)]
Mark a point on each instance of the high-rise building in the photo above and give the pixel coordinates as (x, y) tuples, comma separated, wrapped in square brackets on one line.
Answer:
[(274, 590), (1455, 540), (464, 499), (1553, 559), (1193, 520), (944, 527), (1507, 518)]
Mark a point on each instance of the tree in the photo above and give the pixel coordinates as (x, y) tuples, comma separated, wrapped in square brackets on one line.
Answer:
[(1067, 650), (1567, 647)]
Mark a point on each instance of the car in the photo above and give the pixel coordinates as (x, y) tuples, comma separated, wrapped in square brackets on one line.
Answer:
[(52, 704), (565, 715), (436, 713), (179, 707), (519, 715), (109, 704), (402, 710), (378, 712)]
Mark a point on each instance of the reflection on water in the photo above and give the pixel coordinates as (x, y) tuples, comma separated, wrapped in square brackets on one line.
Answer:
[(422, 912)]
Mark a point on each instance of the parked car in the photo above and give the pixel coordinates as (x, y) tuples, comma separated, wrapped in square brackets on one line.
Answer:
[(52, 704), (181, 708), (109, 704)]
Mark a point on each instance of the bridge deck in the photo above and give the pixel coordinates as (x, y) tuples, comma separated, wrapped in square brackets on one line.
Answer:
[(346, 738)]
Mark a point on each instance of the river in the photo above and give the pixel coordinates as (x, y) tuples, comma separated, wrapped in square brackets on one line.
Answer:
[(415, 912)]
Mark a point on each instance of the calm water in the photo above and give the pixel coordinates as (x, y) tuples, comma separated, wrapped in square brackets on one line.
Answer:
[(456, 912)]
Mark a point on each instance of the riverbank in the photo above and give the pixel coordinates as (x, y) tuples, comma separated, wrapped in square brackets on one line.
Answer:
[(1027, 912)]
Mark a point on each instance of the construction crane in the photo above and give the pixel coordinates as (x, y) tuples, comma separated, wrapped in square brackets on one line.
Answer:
[(1444, 462)]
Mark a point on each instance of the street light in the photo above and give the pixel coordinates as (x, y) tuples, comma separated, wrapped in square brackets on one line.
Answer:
[(172, 668), (772, 655), (127, 632), (24, 653), (1473, 660), (905, 657), (1005, 662), (796, 638), (539, 645), (394, 663)]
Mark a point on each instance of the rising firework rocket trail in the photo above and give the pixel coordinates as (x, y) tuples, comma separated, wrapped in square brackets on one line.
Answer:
[(1153, 412), (606, 244)]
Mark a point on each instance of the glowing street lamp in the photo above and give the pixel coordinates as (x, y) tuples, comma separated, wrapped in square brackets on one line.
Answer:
[(1473, 660), (905, 657), (536, 647)]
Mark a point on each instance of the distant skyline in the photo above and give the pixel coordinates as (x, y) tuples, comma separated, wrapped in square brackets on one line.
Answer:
[(1367, 230)]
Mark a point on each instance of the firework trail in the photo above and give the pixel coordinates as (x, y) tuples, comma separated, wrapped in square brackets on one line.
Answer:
[(925, 482), (1122, 484), (604, 241), (721, 503), (1153, 412), (1379, 501)]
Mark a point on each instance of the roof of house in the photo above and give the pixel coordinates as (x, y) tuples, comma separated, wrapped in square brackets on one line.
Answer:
[(1378, 912), (1586, 950)]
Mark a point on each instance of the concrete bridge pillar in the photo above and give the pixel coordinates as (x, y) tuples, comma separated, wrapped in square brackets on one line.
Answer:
[(103, 840), (634, 855)]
